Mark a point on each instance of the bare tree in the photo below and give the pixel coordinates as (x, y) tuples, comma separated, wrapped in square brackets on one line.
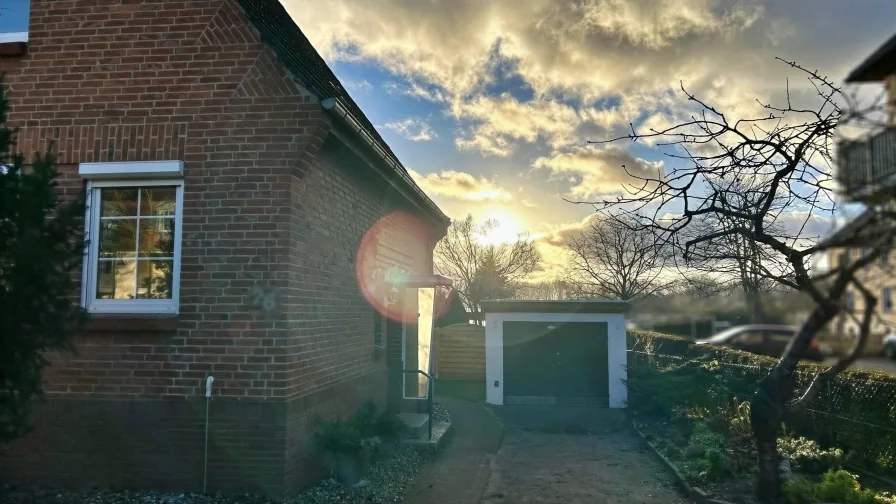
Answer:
[(617, 259), (699, 284), (546, 290), (736, 258), (732, 179), (480, 270)]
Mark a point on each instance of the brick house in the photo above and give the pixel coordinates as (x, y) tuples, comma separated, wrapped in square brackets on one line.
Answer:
[(866, 174), (242, 213)]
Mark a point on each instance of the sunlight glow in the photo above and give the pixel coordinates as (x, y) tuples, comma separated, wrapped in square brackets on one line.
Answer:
[(506, 229)]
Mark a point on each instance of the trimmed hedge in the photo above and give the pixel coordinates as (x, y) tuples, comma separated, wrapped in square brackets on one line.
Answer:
[(856, 412)]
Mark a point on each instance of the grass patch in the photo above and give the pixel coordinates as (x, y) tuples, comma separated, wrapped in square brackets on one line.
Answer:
[(467, 390)]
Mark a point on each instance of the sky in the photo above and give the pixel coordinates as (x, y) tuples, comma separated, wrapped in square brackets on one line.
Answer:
[(14, 16), (491, 104)]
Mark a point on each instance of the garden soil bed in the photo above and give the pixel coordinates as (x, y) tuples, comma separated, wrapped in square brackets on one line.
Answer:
[(737, 488)]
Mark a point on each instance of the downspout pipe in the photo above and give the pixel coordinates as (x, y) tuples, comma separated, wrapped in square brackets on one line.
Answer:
[(208, 400)]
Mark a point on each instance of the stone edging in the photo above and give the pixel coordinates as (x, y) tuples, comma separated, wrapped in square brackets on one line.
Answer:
[(693, 492)]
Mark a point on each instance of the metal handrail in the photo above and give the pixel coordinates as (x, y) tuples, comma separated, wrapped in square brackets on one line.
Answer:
[(430, 380)]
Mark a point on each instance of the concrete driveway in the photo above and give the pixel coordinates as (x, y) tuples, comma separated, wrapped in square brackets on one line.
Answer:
[(574, 456)]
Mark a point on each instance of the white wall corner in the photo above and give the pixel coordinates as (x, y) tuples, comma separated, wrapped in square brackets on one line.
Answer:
[(494, 359), (617, 359)]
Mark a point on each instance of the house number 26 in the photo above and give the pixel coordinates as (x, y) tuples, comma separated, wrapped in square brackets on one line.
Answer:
[(261, 300)]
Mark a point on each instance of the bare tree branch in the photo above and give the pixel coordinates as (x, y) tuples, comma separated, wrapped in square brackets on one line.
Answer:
[(481, 270), (724, 204), (618, 259)]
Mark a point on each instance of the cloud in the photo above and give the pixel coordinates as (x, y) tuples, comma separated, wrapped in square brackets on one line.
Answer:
[(559, 235), (521, 71), (459, 185), (415, 90), (415, 130), (600, 171), (534, 79), (805, 223), (500, 121), (358, 85), (528, 204), (659, 24), (551, 244), (486, 144)]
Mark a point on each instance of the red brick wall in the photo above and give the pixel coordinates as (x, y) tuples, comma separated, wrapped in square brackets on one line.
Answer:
[(152, 444), (264, 210), (123, 81)]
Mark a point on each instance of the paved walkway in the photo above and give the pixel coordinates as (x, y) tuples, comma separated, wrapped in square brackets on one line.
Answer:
[(461, 472)]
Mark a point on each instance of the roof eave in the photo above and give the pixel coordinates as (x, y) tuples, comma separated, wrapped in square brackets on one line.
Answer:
[(297, 55), (878, 66), (411, 190)]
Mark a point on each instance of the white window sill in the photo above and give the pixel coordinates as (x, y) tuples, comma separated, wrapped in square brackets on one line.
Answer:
[(13, 37)]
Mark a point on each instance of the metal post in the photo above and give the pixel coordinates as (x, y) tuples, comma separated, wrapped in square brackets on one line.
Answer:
[(208, 400), (830, 412), (431, 388)]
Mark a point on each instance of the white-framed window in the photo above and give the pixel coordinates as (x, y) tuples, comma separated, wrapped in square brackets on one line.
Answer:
[(14, 16), (134, 246), (887, 295)]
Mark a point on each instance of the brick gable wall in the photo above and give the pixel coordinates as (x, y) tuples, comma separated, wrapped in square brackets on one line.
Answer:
[(269, 209)]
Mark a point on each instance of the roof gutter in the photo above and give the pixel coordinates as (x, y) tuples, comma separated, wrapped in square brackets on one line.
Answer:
[(878, 66), (335, 106)]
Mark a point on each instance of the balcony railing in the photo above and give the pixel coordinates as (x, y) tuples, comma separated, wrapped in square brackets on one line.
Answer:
[(867, 168)]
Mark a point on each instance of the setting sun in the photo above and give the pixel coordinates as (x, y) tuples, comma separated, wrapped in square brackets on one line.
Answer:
[(506, 229)]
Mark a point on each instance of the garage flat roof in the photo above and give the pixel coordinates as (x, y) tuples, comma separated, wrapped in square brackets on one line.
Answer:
[(565, 306)]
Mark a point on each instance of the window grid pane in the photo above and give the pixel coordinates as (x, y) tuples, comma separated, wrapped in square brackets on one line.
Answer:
[(120, 275)]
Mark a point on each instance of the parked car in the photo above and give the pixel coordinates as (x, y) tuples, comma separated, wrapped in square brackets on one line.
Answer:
[(768, 340), (890, 346)]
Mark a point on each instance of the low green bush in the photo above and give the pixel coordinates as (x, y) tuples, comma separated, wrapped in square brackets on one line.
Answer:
[(672, 378), (705, 436), (842, 486), (653, 342), (706, 458), (836, 486), (372, 423), (799, 490), (360, 434), (739, 434), (809, 456), (389, 426), (338, 436)]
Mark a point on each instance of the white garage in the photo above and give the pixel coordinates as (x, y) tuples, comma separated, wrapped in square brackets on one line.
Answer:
[(555, 352)]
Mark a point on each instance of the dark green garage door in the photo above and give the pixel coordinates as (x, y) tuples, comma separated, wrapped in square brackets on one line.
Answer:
[(555, 363)]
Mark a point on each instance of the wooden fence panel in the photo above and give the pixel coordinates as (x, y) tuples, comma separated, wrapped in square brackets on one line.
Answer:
[(460, 352)]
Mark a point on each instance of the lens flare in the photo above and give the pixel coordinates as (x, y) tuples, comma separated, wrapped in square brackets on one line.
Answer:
[(393, 247)]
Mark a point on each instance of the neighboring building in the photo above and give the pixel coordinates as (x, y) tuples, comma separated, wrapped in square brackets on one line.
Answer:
[(880, 279), (866, 168), (243, 214), (866, 172)]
